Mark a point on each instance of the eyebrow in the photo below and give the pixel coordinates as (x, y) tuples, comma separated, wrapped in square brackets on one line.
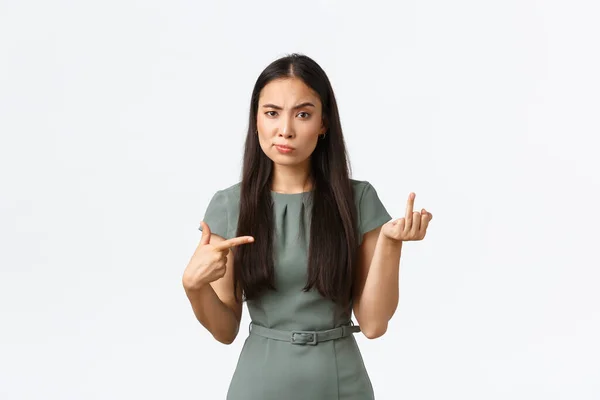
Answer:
[(301, 105)]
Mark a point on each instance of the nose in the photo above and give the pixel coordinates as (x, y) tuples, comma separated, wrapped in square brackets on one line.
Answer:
[(287, 127)]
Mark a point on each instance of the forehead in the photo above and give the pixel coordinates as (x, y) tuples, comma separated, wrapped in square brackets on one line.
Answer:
[(288, 90)]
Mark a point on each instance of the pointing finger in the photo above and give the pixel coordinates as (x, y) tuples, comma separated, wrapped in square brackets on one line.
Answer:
[(236, 241)]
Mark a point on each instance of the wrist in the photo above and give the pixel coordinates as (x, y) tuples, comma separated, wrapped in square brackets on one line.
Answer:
[(195, 287), (389, 242)]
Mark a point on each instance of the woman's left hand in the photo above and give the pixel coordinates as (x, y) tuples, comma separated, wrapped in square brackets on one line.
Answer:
[(412, 227)]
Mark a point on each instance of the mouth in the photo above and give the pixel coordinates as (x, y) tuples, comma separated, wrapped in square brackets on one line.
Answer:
[(283, 147)]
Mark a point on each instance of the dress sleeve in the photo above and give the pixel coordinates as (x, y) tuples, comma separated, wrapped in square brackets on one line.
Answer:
[(217, 216), (372, 213)]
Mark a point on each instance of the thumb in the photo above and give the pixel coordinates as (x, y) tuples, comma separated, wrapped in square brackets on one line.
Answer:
[(205, 233)]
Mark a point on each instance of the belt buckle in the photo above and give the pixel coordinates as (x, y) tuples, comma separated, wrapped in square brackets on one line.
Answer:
[(311, 342)]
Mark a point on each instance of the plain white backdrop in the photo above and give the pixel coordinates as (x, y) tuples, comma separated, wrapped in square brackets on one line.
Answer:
[(120, 119)]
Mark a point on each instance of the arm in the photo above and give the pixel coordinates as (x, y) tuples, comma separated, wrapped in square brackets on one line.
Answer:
[(377, 283), (214, 304)]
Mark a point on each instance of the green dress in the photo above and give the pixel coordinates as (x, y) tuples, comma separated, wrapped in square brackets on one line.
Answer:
[(270, 369)]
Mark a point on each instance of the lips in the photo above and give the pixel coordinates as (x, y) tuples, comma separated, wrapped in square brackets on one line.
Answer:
[(283, 146)]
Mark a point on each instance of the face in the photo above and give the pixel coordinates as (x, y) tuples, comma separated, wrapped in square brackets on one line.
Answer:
[(289, 114)]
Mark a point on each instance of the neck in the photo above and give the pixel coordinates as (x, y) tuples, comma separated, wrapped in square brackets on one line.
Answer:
[(291, 178)]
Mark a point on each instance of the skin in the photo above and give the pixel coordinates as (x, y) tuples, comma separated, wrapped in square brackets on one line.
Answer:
[(377, 280), (208, 284), (290, 113)]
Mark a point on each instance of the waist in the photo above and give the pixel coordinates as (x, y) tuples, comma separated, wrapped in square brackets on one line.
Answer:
[(300, 337)]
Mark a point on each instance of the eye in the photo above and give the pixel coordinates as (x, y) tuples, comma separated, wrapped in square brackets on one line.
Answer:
[(306, 115), (271, 113)]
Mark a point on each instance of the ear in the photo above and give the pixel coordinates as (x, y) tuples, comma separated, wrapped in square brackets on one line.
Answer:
[(323, 128)]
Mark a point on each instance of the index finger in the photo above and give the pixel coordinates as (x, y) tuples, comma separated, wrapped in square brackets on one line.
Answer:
[(236, 241), (409, 206)]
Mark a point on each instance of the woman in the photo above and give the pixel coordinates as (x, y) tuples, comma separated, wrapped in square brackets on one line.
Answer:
[(303, 244)]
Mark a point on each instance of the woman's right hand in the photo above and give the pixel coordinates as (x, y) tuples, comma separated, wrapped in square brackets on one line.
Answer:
[(209, 261)]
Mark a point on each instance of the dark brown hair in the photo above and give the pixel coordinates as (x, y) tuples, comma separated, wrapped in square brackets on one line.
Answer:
[(333, 233)]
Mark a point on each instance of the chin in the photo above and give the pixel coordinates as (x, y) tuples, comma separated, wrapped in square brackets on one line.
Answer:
[(284, 160)]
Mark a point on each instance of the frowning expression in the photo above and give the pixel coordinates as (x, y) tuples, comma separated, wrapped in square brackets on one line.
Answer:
[(289, 120)]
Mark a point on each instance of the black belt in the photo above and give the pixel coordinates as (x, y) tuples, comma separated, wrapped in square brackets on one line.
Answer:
[(304, 337)]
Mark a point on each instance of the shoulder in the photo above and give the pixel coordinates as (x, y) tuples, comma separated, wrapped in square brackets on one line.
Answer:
[(222, 211), (371, 210), (230, 192), (229, 199), (360, 187)]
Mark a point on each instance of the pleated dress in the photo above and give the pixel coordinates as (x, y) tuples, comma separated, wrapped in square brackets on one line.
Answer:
[(269, 369)]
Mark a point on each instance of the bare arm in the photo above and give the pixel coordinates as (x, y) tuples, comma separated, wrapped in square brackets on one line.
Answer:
[(214, 303), (377, 287), (377, 281)]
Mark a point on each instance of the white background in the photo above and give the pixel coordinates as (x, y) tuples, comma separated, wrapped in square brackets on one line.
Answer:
[(120, 119)]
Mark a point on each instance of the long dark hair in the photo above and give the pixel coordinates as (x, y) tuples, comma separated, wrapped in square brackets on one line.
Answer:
[(333, 233)]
